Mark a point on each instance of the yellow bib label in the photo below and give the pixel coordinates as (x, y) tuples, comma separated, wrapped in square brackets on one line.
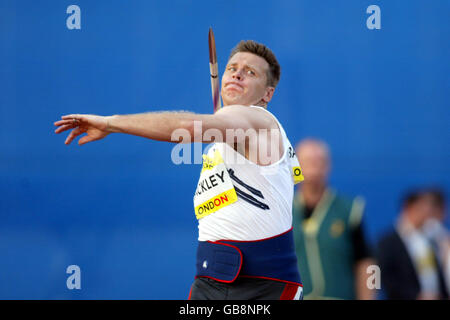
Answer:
[(214, 204), (298, 174), (214, 189)]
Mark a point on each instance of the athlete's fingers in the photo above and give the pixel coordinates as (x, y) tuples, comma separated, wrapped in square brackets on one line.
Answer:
[(73, 134), (64, 122), (86, 139), (65, 127), (73, 116)]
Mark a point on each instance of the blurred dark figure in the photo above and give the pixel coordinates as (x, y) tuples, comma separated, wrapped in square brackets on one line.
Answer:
[(332, 253), (408, 256), (437, 233)]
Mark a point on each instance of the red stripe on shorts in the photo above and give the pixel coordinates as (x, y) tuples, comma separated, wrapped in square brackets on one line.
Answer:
[(190, 292), (289, 292)]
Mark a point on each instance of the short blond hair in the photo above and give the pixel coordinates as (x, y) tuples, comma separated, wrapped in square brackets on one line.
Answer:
[(274, 72)]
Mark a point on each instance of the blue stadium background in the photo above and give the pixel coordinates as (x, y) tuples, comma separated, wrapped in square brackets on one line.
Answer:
[(119, 208)]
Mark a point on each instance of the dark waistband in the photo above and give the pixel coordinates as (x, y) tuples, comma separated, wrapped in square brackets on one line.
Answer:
[(271, 258)]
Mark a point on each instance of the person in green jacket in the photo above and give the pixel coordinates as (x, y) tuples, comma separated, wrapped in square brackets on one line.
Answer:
[(332, 253)]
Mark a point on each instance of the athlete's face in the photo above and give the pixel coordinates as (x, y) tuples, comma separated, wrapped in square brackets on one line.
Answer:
[(244, 81)]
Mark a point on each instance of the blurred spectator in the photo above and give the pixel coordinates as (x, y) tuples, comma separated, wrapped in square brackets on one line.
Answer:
[(409, 256), (436, 232), (332, 253)]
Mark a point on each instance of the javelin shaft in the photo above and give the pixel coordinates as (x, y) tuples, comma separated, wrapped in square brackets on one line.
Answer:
[(214, 72)]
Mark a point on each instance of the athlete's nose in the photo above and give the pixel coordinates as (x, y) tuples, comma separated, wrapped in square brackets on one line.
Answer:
[(237, 75)]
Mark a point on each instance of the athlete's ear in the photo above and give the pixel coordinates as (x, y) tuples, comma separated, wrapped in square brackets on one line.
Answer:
[(268, 94)]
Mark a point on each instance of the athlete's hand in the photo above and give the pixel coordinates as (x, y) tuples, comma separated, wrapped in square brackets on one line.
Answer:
[(96, 127)]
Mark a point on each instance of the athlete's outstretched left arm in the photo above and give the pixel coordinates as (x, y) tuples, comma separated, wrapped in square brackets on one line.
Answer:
[(161, 125)]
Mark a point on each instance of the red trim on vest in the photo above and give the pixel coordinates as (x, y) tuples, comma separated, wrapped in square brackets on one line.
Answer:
[(273, 279), (277, 235)]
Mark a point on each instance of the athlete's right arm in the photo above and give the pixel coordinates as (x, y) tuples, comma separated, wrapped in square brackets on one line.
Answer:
[(161, 125)]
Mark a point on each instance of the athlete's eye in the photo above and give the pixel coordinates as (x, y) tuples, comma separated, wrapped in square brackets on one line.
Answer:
[(251, 72)]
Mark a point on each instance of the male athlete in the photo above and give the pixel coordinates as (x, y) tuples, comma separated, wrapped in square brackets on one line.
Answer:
[(243, 200)]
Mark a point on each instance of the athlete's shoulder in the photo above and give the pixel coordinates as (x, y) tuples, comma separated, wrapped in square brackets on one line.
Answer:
[(237, 108), (258, 116)]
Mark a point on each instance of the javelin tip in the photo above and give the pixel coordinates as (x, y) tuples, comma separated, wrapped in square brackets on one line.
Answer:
[(212, 47)]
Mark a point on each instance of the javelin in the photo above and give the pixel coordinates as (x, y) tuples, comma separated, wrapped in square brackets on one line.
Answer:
[(214, 71)]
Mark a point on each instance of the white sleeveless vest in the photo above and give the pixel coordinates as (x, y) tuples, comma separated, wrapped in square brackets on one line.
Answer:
[(237, 199)]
